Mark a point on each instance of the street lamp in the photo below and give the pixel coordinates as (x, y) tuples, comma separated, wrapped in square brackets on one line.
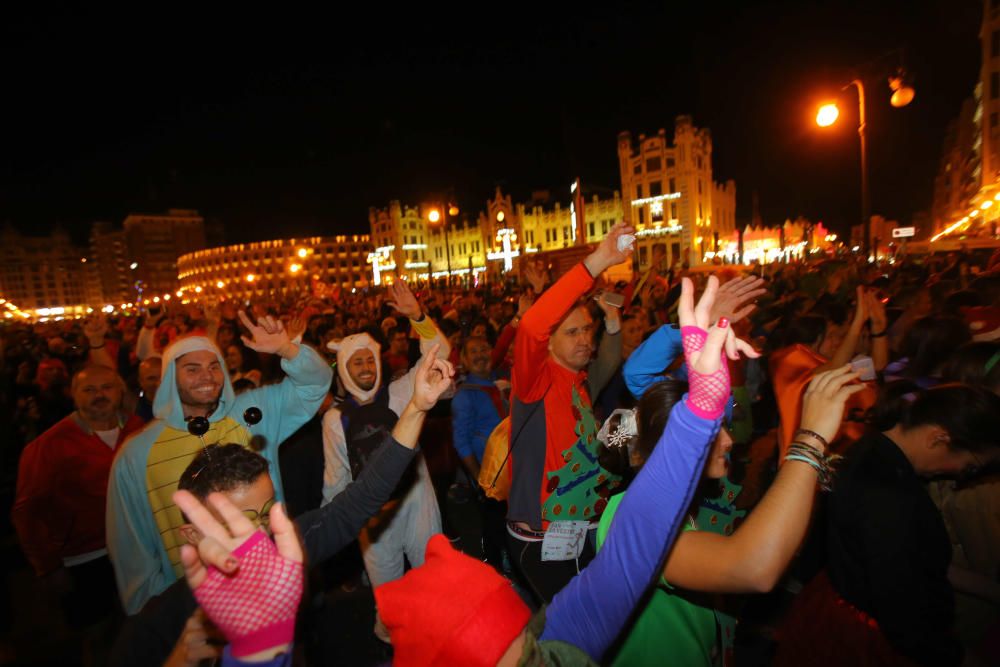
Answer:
[(827, 115)]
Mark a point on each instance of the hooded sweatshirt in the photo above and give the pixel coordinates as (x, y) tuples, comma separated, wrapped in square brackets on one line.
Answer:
[(142, 520), (337, 468)]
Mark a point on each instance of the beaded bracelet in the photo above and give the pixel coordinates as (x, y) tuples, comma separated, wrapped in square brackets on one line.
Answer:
[(824, 465), (813, 434)]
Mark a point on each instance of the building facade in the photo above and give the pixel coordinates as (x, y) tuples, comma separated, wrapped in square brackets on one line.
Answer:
[(276, 269), (408, 243), (155, 242), (967, 186), (109, 264), (44, 275), (670, 196)]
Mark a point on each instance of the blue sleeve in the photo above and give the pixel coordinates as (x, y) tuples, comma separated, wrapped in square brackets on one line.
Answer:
[(463, 418), (592, 609), (281, 660), (647, 362), (288, 405)]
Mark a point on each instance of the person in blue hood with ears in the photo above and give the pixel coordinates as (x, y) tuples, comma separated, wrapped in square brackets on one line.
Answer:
[(142, 519)]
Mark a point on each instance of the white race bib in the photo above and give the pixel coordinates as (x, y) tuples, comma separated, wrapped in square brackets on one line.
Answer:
[(564, 540)]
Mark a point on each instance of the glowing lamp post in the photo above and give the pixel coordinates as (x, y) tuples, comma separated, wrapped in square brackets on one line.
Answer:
[(827, 115), (436, 217)]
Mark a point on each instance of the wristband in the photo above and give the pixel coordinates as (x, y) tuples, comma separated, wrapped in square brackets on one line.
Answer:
[(880, 334)]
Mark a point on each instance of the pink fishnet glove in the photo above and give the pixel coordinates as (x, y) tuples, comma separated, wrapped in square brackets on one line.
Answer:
[(707, 394), (255, 608)]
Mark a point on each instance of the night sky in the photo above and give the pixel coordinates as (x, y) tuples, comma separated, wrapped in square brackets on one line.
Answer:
[(283, 123)]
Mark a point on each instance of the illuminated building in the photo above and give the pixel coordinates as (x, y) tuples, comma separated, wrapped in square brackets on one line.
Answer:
[(967, 187), (155, 242), (43, 273), (408, 243), (671, 197), (276, 268)]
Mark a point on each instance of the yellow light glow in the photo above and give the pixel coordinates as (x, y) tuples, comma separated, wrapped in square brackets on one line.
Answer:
[(251, 277), (198, 289), (302, 253), (180, 293), (220, 284), (434, 215), (986, 204), (973, 214), (500, 216), (166, 297), (827, 115), (156, 299), (453, 210), (997, 196), (295, 268)]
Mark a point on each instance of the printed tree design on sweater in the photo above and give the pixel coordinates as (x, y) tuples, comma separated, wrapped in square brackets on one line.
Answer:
[(578, 491)]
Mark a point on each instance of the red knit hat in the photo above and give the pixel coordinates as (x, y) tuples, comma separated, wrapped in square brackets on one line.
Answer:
[(453, 610)]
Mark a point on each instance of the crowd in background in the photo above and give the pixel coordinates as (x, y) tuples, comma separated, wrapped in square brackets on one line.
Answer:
[(898, 558)]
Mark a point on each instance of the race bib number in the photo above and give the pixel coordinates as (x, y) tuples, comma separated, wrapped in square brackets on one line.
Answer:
[(564, 540)]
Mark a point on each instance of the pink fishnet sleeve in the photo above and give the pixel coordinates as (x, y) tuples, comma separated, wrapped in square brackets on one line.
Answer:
[(707, 394), (255, 608)]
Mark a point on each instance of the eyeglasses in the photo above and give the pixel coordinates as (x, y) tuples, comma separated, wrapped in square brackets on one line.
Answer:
[(261, 517)]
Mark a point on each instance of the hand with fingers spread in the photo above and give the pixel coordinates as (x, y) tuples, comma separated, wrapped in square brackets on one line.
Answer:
[(268, 336), (535, 277), (402, 299), (824, 402), (433, 377), (247, 585), (735, 299), (296, 327), (708, 372)]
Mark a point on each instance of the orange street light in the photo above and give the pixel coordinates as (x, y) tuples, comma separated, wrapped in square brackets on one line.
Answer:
[(295, 268), (434, 215), (220, 284), (251, 277), (302, 253), (827, 115)]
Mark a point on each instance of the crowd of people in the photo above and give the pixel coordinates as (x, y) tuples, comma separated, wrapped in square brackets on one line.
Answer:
[(786, 464)]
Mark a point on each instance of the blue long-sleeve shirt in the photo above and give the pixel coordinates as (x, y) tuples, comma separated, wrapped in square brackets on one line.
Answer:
[(647, 363), (473, 417), (592, 609)]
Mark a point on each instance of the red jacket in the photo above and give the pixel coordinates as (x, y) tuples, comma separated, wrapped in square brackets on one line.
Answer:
[(62, 486)]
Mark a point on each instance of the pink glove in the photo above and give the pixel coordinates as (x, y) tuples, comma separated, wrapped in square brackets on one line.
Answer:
[(707, 394), (255, 607)]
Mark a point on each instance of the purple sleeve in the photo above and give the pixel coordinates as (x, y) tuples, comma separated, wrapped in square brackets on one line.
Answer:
[(281, 660), (592, 609)]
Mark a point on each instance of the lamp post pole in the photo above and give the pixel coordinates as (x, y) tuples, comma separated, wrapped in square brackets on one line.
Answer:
[(866, 204), (447, 245)]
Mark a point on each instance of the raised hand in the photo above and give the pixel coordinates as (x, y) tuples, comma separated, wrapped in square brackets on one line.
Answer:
[(733, 298), (607, 253), (708, 372), (248, 586), (433, 377), (860, 309), (824, 401), (876, 312), (296, 327), (95, 328), (535, 276), (402, 299), (268, 336)]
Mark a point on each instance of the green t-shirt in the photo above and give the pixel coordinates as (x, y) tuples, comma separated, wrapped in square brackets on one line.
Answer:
[(669, 630)]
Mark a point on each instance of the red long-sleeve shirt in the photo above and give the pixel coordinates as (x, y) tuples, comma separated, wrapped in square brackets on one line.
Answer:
[(561, 483), (62, 486)]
